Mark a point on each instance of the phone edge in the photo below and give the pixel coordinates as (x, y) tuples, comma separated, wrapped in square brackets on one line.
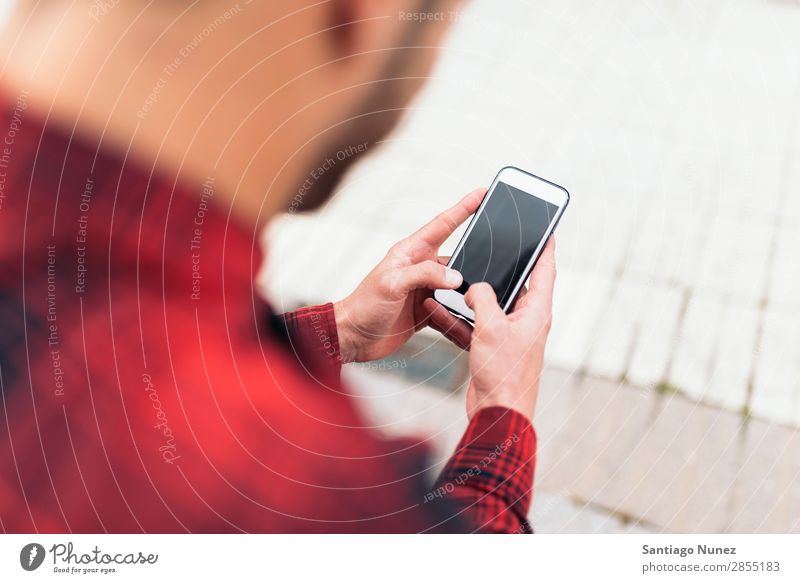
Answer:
[(528, 272)]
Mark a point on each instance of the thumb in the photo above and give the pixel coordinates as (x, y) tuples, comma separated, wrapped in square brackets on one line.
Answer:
[(482, 300), (430, 275)]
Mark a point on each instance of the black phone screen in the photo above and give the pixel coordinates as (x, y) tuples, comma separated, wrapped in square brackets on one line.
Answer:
[(503, 239)]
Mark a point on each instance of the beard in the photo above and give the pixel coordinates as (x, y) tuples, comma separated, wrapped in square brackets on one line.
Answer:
[(370, 121), (340, 153)]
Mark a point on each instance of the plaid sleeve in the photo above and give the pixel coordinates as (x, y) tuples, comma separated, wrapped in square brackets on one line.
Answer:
[(312, 333), (489, 478)]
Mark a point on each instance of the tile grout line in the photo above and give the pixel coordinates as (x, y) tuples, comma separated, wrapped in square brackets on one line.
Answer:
[(784, 187)]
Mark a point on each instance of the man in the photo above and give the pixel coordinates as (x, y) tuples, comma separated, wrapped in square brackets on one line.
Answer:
[(145, 386)]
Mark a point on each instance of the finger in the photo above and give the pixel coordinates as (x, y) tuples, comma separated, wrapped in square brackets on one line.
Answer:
[(520, 301), (540, 296), (439, 229), (428, 274), (454, 329), (443, 259), (482, 300)]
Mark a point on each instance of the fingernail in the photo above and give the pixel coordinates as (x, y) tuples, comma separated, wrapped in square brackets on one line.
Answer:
[(452, 277)]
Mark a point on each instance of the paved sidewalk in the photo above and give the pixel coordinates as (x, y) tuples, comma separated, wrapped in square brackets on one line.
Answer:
[(614, 458), (675, 125)]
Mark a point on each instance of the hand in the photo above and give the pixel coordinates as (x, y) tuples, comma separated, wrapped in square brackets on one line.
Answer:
[(507, 351), (387, 307)]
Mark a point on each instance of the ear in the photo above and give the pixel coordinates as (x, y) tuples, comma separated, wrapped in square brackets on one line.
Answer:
[(358, 26)]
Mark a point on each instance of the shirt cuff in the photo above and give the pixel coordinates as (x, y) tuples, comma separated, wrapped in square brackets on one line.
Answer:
[(312, 333), (491, 472)]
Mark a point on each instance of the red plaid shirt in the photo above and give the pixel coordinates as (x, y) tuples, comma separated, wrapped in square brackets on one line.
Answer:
[(145, 387)]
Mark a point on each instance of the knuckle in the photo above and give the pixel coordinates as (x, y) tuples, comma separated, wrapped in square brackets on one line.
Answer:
[(480, 288), (431, 271), (485, 334), (399, 248), (447, 220), (494, 328), (394, 249)]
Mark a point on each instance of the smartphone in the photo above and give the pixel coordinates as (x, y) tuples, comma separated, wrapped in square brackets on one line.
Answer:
[(505, 238)]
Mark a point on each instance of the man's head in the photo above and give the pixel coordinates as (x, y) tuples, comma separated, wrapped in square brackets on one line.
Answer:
[(273, 99)]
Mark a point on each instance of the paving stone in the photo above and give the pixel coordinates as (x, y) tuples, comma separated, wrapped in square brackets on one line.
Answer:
[(579, 299), (776, 390), (556, 513), (670, 463), (749, 177), (733, 362), (595, 235), (666, 244), (791, 208), (680, 474), (687, 178), (657, 458), (696, 343), (734, 259), (784, 285), (766, 493), (655, 337), (614, 343), (715, 352), (745, 35), (581, 449)]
